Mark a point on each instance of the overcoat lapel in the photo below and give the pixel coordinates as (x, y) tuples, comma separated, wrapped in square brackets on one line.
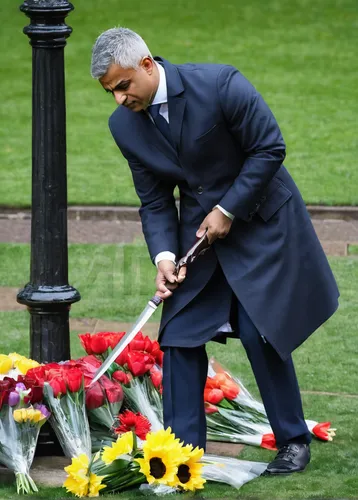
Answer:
[(176, 101)]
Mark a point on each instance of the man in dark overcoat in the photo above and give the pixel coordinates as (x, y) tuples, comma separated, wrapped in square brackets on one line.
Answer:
[(265, 279)]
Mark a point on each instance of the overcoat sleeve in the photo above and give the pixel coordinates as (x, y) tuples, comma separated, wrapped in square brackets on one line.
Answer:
[(158, 211), (253, 125)]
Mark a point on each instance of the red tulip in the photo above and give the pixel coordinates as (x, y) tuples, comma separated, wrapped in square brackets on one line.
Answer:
[(114, 338), (58, 386), (323, 431), (114, 391), (230, 391), (36, 394), (6, 386), (209, 408), (268, 441), (85, 340), (159, 357), (94, 396), (214, 396), (121, 377), (139, 363), (36, 375), (156, 376), (138, 343), (73, 378), (99, 344), (211, 383), (121, 360)]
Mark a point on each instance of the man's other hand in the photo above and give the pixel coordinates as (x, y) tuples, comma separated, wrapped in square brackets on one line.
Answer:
[(217, 224), (166, 279)]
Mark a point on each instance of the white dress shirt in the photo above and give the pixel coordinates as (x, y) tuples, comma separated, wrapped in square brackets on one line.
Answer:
[(161, 97)]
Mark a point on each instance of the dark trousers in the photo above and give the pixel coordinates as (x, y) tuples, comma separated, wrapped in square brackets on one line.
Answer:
[(184, 376)]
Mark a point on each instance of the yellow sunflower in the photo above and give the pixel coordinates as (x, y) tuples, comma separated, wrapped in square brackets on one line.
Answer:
[(189, 472), (162, 453), (79, 481), (122, 446)]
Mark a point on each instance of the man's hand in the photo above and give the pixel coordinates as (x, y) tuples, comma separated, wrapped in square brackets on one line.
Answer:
[(166, 279), (217, 224)]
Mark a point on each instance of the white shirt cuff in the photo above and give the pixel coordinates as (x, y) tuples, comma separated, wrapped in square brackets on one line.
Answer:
[(225, 212), (164, 256)]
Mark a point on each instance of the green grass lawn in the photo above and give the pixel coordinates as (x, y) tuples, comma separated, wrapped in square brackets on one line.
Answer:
[(352, 249), (327, 362), (300, 55)]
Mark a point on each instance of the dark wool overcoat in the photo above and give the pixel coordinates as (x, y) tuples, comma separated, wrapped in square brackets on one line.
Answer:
[(228, 149)]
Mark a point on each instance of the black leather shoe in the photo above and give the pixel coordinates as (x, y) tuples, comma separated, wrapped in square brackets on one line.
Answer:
[(290, 458)]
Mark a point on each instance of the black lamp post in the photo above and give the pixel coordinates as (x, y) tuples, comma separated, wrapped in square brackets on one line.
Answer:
[(48, 295)]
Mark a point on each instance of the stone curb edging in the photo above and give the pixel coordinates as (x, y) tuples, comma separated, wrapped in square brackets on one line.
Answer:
[(110, 212)]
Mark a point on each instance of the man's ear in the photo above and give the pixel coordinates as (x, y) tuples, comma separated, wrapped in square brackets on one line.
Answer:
[(147, 64)]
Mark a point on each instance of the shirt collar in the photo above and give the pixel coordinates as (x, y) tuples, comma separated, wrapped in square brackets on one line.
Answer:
[(162, 95)]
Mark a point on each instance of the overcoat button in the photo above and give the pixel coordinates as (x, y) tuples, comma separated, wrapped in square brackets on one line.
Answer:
[(200, 190)]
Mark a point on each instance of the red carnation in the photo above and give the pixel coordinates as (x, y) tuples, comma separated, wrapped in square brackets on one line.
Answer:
[(135, 422)]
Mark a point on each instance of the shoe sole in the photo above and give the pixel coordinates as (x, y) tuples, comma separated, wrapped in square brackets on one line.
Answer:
[(267, 473)]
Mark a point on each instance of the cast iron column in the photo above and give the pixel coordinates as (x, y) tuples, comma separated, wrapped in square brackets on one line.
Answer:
[(48, 295)]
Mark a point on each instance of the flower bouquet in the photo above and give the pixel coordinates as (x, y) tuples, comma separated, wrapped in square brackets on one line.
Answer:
[(64, 394), (20, 423), (162, 460), (233, 415), (161, 464), (137, 368), (103, 401)]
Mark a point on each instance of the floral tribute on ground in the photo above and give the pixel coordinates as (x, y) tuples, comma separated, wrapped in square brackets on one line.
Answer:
[(21, 417), (113, 430)]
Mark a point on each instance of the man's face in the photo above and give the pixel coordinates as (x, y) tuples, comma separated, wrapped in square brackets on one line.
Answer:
[(133, 88)]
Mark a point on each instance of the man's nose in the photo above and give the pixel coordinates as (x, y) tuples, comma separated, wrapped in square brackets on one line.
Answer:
[(119, 97)]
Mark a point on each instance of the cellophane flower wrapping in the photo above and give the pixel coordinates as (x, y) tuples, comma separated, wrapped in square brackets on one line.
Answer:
[(231, 471), (64, 395), (21, 418), (103, 402), (233, 415)]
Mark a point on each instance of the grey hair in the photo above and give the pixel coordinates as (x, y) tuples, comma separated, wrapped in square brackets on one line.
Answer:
[(117, 46)]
